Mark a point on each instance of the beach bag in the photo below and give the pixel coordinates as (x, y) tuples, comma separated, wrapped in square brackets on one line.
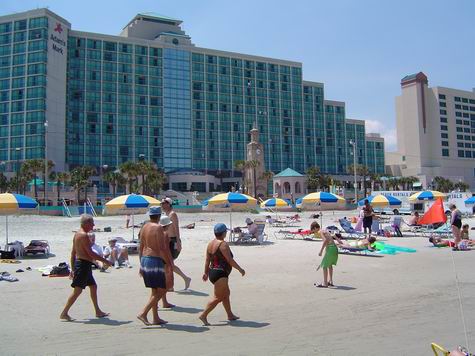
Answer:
[(61, 270)]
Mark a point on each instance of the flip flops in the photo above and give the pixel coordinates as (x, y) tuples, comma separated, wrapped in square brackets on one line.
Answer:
[(320, 285)]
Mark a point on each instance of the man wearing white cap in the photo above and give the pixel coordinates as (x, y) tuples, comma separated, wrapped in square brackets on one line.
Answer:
[(173, 232), (115, 255)]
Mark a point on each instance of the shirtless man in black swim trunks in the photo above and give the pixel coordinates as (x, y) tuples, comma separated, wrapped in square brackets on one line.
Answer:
[(82, 259), (218, 265), (175, 244)]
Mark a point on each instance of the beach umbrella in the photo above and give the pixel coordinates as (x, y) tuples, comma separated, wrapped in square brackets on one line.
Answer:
[(14, 204), (298, 203), (131, 204), (227, 200), (275, 203), (470, 201), (322, 198), (230, 200), (426, 195), (381, 201)]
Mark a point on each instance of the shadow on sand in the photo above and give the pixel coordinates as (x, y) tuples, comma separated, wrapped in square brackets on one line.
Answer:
[(192, 292), (188, 310), (247, 324), (176, 327), (103, 321)]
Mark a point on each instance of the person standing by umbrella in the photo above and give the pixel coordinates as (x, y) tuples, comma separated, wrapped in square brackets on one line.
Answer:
[(175, 244), (82, 259), (368, 213), (456, 224)]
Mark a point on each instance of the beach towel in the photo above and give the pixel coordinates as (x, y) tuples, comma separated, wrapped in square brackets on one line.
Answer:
[(9, 261)]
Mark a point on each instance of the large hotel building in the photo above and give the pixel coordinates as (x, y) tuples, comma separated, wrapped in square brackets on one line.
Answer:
[(150, 91), (435, 132)]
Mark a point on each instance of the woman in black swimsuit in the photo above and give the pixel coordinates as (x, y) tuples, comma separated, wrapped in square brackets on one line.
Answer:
[(218, 266)]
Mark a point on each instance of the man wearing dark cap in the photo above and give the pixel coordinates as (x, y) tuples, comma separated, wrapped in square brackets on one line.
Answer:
[(175, 244), (155, 264)]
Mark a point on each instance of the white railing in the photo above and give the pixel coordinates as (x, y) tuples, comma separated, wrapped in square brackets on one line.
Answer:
[(66, 208)]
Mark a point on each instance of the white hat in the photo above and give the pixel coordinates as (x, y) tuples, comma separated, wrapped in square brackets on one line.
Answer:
[(165, 221)]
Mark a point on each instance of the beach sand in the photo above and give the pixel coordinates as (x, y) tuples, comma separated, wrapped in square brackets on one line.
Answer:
[(385, 305)]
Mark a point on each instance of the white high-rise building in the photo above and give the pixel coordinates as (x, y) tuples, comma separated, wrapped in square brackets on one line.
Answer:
[(435, 132)]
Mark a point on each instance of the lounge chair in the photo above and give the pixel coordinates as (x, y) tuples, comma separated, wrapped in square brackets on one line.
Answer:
[(248, 238), (292, 235), (349, 230), (38, 247), (131, 246)]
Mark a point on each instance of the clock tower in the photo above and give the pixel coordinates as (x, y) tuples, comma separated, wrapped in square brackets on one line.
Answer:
[(253, 174)]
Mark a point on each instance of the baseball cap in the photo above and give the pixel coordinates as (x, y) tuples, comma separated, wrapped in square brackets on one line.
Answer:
[(154, 210), (165, 220), (220, 228), (167, 200), (248, 221)]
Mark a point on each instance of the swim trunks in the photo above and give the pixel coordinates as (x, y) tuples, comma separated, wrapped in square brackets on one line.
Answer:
[(367, 222), (83, 274), (153, 271), (173, 248)]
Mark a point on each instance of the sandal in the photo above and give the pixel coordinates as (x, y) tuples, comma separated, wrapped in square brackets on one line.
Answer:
[(320, 285), (331, 284)]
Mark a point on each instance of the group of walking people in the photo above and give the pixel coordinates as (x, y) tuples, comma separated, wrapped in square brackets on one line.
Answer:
[(160, 245)]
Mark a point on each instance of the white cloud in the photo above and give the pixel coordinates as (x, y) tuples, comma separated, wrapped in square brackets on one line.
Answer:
[(389, 133)]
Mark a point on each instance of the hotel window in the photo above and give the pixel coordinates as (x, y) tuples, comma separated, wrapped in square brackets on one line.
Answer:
[(443, 127), (443, 112), (465, 107), (443, 119), (461, 153), (457, 98), (468, 154), (442, 105), (442, 96), (444, 135), (445, 143), (464, 100), (457, 106), (468, 145), (445, 153), (460, 144), (458, 114)]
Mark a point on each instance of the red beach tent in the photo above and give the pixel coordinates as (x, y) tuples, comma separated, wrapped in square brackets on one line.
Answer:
[(435, 214)]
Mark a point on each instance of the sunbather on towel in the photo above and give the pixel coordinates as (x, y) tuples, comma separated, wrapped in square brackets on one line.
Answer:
[(364, 244), (438, 242)]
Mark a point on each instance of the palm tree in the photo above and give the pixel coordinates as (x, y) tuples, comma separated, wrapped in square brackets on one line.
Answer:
[(88, 172), (313, 178), (114, 178), (59, 178), (462, 186), (361, 170), (155, 180), (3, 183), (34, 166), (130, 171), (267, 176), (410, 182)]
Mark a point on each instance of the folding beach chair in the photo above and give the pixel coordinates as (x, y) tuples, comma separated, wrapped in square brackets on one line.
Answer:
[(349, 230), (248, 238), (292, 235)]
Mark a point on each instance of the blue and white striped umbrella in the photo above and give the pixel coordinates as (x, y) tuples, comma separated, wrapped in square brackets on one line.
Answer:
[(381, 201), (470, 201), (426, 195)]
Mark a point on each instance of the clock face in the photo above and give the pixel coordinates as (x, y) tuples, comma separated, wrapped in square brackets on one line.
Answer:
[(258, 151)]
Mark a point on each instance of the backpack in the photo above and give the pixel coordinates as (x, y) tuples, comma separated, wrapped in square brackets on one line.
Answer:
[(61, 270)]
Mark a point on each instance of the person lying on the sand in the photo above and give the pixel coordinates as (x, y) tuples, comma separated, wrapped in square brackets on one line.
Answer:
[(364, 244), (438, 242)]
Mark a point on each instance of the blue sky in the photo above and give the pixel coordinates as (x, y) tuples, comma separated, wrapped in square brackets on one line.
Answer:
[(359, 49)]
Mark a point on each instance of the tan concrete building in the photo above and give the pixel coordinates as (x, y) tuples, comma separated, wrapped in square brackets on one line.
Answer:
[(435, 132)]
